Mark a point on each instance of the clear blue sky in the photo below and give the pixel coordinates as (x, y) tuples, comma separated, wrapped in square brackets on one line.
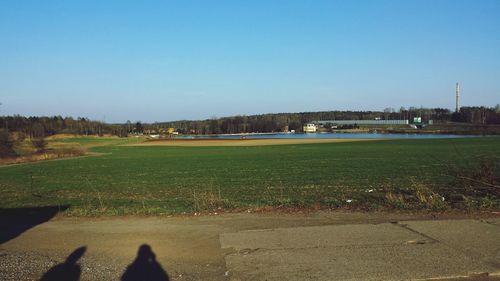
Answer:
[(170, 60)]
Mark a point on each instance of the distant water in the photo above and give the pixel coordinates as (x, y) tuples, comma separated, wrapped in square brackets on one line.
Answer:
[(326, 136)]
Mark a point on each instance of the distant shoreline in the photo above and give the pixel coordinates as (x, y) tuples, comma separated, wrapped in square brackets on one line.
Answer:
[(244, 142)]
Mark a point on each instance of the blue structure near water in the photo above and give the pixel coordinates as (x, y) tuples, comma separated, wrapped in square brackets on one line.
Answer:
[(361, 122), (324, 136)]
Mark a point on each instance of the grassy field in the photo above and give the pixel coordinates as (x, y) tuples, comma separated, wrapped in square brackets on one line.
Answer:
[(169, 179)]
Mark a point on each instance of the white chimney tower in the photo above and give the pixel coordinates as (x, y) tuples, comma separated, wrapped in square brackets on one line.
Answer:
[(457, 96)]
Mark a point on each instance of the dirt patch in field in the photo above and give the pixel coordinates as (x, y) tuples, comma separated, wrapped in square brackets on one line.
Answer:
[(239, 142)]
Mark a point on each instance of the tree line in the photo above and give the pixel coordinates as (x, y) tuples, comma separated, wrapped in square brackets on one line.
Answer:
[(279, 122), (36, 127)]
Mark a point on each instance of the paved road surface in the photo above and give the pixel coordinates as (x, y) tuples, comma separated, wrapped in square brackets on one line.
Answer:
[(318, 246)]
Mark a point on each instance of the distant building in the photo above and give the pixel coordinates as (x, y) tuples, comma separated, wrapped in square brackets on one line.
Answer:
[(417, 120), (310, 128)]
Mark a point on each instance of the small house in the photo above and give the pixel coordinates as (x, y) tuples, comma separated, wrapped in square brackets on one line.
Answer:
[(310, 128)]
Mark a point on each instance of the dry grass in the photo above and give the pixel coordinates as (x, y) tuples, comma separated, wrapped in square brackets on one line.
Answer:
[(73, 136), (208, 200), (46, 155)]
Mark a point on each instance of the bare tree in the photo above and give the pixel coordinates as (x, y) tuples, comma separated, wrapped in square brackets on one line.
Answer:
[(40, 144)]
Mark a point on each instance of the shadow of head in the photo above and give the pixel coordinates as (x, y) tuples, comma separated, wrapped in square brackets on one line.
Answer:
[(145, 267), (76, 255), (145, 254), (69, 270)]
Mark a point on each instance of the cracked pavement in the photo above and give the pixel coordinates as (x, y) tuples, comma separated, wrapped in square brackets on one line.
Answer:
[(266, 246)]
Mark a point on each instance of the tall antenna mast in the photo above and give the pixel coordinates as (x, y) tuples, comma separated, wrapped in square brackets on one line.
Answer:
[(457, 97)]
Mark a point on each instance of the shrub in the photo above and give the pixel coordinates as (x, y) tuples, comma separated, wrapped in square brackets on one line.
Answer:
[(39, 144), (476, 186), (6, 144)]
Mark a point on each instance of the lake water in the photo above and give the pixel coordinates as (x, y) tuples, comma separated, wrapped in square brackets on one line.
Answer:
[(327, 136)]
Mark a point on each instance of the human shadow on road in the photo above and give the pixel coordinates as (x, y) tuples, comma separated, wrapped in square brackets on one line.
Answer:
[(15, 221), (145, 267), (69, 270)]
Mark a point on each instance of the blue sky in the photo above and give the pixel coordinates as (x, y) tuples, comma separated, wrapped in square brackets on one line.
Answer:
[(170, 60)]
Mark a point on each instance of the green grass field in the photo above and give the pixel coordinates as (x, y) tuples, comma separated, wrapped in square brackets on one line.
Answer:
[(157, 180)]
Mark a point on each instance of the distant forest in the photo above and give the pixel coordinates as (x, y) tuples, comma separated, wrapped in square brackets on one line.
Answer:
[(35, 127)]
